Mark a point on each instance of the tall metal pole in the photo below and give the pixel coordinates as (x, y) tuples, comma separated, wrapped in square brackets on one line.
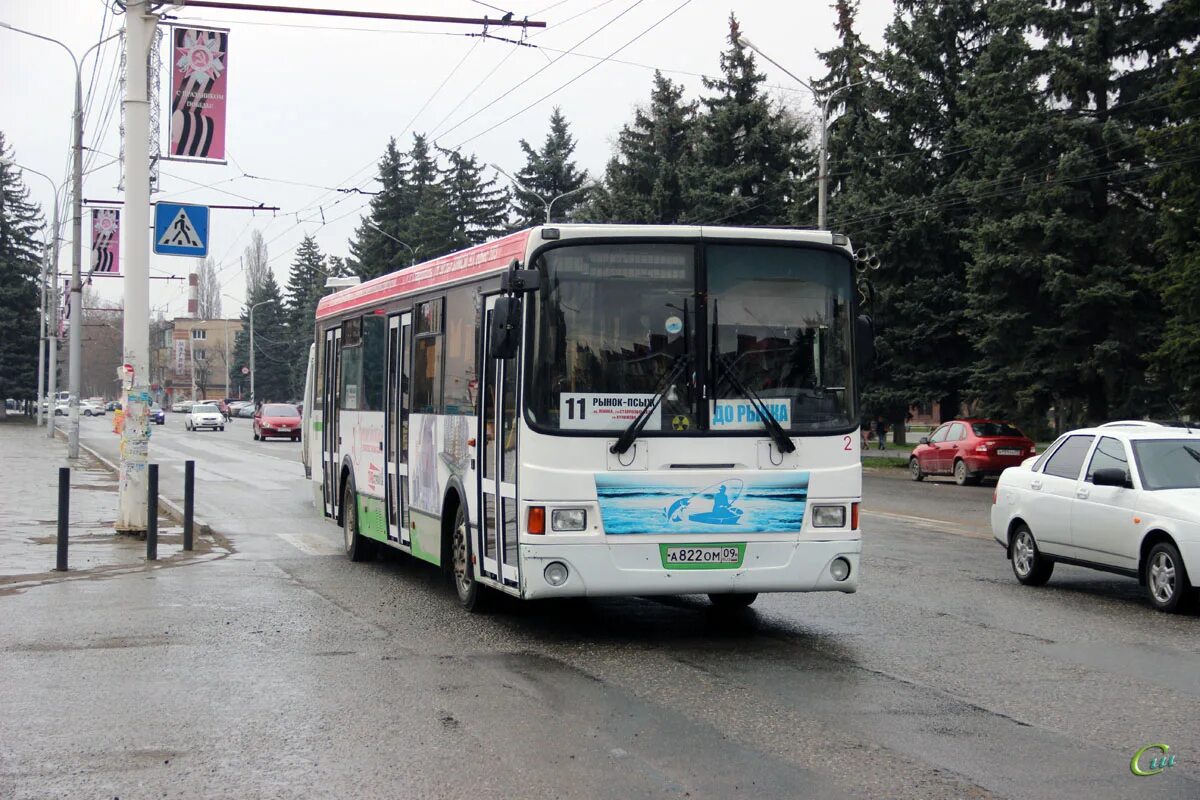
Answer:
[(252, 352), (135, 435), (76, 346)]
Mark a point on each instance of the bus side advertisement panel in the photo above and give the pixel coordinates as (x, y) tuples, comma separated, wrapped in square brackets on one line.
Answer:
[(438, 452)]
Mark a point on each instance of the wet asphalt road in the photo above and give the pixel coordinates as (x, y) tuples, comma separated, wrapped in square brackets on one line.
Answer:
[(284, 670)]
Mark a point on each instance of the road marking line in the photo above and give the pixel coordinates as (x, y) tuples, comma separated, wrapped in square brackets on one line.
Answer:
[(943, 525), (310, 544)]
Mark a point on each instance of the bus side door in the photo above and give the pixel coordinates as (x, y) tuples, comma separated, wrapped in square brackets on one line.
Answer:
[(399, 360), (330, 439), (496, 451)]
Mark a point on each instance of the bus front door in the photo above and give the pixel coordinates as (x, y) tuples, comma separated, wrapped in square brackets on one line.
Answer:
[(496, 451), (398, 360), (330, 439)]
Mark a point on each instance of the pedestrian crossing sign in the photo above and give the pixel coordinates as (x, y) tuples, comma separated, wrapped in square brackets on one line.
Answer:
[(180, 230)]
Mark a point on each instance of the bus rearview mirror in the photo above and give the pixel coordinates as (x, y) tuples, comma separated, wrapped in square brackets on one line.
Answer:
[(505, 334), (864, 340)]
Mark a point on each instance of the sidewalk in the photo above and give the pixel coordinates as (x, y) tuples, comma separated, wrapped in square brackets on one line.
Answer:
[(29, 464)]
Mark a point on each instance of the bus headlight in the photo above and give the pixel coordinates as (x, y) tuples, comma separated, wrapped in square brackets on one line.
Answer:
[(556, 573), (839, 570), (568, 519), (829, 516)]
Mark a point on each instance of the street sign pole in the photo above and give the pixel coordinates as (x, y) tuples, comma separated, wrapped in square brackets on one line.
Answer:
[(135, 435)]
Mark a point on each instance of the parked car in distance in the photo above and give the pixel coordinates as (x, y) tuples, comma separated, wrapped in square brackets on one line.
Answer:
[(204, 415), (181, 406), (1122, 500), (970, 450), (112, 405), (236, 405), (61, 409), (157, 415), (90, 408), (246, 411), (277, 419)]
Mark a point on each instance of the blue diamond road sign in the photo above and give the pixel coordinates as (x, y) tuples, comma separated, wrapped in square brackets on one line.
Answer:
[(180, 230)]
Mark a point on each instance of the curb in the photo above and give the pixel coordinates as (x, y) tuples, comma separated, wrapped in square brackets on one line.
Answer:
[(172, 509)]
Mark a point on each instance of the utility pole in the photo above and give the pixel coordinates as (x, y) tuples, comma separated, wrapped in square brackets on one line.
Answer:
[(135, 435)]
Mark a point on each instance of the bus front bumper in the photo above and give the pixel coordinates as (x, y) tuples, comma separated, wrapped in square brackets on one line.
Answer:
[(636, 568)]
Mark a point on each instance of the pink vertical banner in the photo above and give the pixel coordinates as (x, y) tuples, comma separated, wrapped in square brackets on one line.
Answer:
[(199, 64), (106, 240)]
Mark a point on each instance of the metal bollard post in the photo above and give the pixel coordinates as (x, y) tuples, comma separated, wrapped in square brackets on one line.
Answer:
[(189, 501), (64, 513), (152, 515)]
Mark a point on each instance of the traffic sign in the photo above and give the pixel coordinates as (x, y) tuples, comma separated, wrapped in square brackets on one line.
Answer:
[(180, 230), (245, 370)]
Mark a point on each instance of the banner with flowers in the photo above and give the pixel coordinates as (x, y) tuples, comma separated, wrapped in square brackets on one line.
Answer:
[(199, 77), (106, 240)]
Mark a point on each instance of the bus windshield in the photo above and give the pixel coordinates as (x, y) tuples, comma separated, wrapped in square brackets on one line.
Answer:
[(613, 322)]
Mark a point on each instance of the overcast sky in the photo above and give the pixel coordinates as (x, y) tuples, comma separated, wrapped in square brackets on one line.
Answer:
[(313, 100)]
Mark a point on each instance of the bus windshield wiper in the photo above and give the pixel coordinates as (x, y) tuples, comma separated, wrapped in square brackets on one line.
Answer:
[(726, 371), (635, 426)]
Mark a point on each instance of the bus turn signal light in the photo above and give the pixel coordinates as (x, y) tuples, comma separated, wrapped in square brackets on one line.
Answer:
[(537, 519), (854, 516)]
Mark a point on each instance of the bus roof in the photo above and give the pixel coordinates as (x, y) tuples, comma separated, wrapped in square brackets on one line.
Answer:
[(495, 256)]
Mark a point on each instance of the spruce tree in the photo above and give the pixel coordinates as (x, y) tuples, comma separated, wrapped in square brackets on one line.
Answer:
[(548, 173), (430, 229), (272, 345), (478, 206), (373, 249), (750, 152), (1173, 146), (305, 287), (643, 182), (19, 259)]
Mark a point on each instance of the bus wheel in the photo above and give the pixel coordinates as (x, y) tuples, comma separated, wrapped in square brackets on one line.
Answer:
[(358, 548), (465, 585), (728, 602)]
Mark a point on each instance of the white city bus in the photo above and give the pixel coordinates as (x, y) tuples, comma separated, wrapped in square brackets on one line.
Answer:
[(586, 410)]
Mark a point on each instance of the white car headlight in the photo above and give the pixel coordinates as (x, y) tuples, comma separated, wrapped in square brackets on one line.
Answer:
[(829, 516), (568, 519)]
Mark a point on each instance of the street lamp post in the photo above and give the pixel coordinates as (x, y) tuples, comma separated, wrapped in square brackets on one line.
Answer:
[(412, 252), (823, 154), (76, 301), (49, 265), (548, 204), (256, 305)]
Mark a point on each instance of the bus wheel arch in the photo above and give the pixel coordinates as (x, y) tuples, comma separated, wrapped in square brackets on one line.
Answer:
[(345, 476), (453, 499)]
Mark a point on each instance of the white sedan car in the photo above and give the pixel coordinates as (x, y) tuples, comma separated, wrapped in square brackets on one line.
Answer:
[(1118, 499), (205, 415)]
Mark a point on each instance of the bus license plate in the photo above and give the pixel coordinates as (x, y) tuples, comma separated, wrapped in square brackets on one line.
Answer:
[(696, 555)]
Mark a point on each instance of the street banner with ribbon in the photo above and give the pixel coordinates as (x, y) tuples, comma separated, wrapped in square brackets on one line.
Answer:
[(199, 77), (106, 240)]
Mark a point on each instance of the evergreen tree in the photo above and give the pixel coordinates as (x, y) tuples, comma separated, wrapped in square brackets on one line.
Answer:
[(644, 179), (478, 206), (272, 345), (906, 205), (1173, 147), (305, 287), (846, 86), (1103, 229), (750, 153), (548, 173), (373, 249), (430, 229), (19, 258)]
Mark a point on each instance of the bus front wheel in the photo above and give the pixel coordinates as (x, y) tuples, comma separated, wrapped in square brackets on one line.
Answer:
[(731, 601)]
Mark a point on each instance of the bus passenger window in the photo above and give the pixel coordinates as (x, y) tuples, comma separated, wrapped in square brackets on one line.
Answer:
[(427, 359)]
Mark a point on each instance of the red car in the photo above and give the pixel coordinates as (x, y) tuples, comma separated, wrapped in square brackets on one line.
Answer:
[(277, 419), (970, 450)]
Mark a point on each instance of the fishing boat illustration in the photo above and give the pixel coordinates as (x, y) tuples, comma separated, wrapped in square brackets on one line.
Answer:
[(723, 512)]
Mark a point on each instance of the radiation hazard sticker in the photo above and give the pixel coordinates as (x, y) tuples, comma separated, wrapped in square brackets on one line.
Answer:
[(680, 422)]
